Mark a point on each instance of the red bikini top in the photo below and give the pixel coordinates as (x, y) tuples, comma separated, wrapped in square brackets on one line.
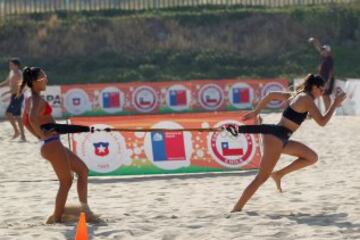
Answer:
[(46, 112)]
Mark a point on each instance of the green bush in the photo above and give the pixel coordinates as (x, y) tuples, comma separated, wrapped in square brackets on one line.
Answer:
[(182, 44)]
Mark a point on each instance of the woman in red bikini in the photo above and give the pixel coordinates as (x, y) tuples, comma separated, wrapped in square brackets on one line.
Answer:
[(38, 112)]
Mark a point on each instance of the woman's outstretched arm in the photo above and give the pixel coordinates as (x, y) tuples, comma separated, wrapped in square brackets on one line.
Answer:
[(320, 119)]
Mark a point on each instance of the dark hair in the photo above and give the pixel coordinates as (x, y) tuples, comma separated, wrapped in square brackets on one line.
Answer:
[(30, 74), (15, 61), (310, 81)]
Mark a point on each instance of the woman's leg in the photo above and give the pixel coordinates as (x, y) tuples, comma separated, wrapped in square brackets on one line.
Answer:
[(306, 156), (271, 154), (12, 121), (21, 127), (55, 154), (82, 171)]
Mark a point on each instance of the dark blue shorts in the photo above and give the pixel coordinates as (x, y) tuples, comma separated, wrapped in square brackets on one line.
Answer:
[(15, 105)]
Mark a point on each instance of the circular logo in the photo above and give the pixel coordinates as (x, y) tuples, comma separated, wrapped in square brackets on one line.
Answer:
[(211, 96), (272, 87), (168, 150), (145, 99), (112, 100), (178, 98), (229, 151), (76, 101), (102, 151), (241, 95)]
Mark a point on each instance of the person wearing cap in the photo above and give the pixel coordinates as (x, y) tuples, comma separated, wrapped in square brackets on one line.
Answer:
[(325, 69)]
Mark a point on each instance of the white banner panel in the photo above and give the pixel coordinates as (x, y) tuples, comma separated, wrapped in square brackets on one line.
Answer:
[(4, 100), (52, 95), (351, 106)]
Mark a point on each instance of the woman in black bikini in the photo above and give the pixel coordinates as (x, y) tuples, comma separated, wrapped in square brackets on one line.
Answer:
[(276, 137)]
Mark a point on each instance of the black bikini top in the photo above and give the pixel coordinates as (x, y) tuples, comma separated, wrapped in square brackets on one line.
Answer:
[(294, 116)]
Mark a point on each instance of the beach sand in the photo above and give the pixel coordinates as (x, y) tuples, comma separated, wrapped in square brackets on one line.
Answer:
[(318, 202)]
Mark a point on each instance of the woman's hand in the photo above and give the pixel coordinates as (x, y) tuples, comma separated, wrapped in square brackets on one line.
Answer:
[(250, 115), (340, 96)]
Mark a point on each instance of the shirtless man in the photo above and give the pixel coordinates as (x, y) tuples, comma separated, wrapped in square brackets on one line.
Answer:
[(325, 69), (13, 112)]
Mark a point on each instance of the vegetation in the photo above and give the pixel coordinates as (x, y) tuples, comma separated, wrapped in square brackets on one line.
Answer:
[(182, 44)]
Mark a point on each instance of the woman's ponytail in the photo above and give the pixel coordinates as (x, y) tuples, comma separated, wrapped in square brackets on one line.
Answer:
[(26, 79), (310, 81), (302, 87), (29, 75)]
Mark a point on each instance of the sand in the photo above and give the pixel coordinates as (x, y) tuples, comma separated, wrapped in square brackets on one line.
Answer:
[(319, 202)]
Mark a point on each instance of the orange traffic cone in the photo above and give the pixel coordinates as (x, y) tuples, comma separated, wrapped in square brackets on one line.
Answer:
[(81, 230)]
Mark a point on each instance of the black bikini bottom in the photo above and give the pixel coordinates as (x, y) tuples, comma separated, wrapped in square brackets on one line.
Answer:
[(280, 132)]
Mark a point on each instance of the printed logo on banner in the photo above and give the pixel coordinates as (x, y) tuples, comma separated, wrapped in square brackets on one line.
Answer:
[(178, 98), (53, 100), (229, 151), (101, 151), (112, 100), (241, 95), (168, 146), (145, 99), (211, 97), (168, 150), (76, 101), (101, 148), (271, 87), (53, 96)]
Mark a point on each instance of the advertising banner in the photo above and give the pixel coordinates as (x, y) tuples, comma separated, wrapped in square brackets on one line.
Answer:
[(127, 153), (93, 99), (167, 97)]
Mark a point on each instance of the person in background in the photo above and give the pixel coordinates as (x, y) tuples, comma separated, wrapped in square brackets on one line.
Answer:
[(13, 112), (325, 69)]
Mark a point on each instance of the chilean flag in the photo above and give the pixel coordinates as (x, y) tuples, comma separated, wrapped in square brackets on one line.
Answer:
[(228, 151), (241, 95), (178, 97), (144, 101), (168, 146), (111, 99), (101, 149), (76, 101), (209, 99)]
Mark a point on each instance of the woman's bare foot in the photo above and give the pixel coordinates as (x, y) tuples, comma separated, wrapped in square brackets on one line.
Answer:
[(52, 220), (16, 135), (236, 210), (275, 176), (93, 218)]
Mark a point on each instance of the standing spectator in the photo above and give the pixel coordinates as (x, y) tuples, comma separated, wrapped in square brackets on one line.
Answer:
[(325, 69), (13, 112)]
